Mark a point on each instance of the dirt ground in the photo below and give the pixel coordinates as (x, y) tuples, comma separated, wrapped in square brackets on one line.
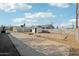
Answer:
[(51, 43)]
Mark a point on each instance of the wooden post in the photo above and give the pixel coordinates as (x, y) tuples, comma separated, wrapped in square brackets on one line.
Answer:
[(76, 35), (76, 15)]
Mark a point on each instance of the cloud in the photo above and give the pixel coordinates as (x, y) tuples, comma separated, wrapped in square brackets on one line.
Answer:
[(34, 17), (18, 19), (39, 15), (73, 20), (69, 23), (60, 5), (12, 7), (64, 24)]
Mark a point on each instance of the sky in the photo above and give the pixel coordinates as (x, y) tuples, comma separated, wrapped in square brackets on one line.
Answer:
[(58, 14)]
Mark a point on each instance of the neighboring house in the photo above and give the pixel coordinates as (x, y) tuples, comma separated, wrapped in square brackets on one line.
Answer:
[(21, 29), (34, 29), (14, 29), (46, 26), (42, 28)]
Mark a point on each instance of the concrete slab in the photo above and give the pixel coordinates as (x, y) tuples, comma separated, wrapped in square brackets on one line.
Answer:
[(23, 49)]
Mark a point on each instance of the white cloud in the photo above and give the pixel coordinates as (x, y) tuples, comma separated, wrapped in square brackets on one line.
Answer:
[(22, 6), (73, 20), (12, 7), (60, 5), (32, 18), (64, 24), (39, 15), (69, 24), (18, 19)]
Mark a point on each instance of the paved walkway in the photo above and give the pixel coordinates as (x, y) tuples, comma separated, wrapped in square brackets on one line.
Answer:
[(23, 49)]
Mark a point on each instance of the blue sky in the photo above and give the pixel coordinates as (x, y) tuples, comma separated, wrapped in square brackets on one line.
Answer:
[(37, 13)]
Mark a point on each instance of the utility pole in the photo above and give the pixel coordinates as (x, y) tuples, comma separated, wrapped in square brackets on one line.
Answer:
[(76, 15), (76, 35)]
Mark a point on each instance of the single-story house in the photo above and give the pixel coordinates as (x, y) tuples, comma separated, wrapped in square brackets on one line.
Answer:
[(22, 29)]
